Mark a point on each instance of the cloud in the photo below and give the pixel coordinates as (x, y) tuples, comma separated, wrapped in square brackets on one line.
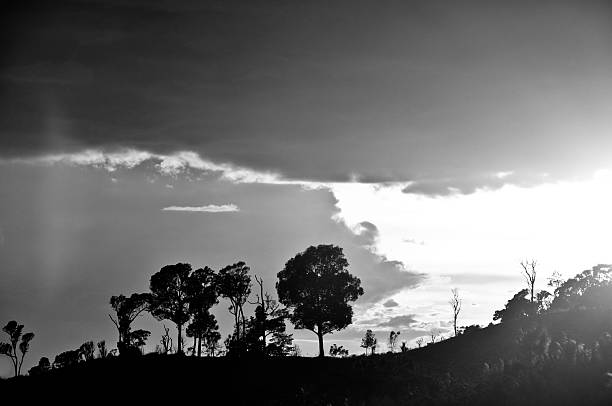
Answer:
[(173, 165), (390, 303), (405, 321), (413, 241), (470, 183), (211, 208), (382, 277), (350, 102)]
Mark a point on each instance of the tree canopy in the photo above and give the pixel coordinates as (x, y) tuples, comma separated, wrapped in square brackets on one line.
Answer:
[(170, 296), (15, 333), (317, 286), (127, 309), (234, 284)]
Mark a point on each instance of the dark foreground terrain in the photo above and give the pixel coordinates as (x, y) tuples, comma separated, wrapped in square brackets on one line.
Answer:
[(508, 364)]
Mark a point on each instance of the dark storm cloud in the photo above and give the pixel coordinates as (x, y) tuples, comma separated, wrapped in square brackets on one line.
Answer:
[(440, 93)]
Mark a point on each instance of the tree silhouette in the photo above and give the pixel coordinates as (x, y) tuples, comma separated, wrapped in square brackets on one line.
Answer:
[(166, 341), (15, 333), (67, 359), (590, 288), (455, 303), (317, 287), (102, 351), (202, 295), (470, 329), (234, 284), (204, 326), (516, 308), (267, 330), (392, 343), (87, 350), (211, 342), (529, 273), (419, 341), (369, 341), (170, 297), (555, 280), (127, 309), (338, 351), (43, 366)]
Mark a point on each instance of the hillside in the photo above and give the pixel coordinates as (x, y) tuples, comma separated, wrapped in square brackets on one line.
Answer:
[(560, 358)]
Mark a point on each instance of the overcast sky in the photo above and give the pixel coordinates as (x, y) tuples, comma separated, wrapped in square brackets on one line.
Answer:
[(438, 142)]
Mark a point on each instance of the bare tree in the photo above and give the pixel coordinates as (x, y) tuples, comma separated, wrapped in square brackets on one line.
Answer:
[(166, 341), (433, 335), (455, 303), (267, 330), (529, 273), (393, 336), (420, 341)]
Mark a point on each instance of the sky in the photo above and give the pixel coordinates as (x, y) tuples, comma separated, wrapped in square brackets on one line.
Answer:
[(438, 142)]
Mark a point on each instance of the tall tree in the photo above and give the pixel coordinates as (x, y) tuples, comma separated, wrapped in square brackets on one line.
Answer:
[(455, 302), (170, 296), (15, 333), (127, 309), (529, 273), (234, 284), (317, 286), (202, 295)]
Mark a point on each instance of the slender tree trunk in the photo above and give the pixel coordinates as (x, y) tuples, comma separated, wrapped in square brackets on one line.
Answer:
[(320, 334), (243, 322), (199, 345), (195, 341), (179, 349), (21, 363), (237, 322)]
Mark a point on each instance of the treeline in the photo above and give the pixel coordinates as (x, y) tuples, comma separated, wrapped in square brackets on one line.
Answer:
[(314, 289)]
